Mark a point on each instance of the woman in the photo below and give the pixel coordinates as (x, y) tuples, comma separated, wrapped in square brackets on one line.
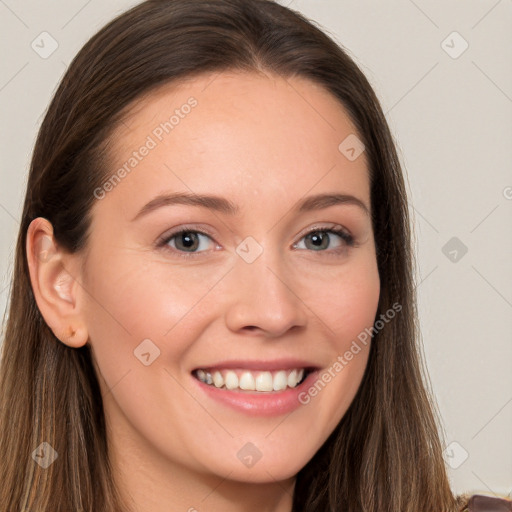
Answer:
[(212, 305)]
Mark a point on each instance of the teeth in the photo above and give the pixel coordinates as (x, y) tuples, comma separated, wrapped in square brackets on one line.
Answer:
[(264, 382), (252, 381), (247, 381), (280, 381), (292, 378), (231, 380), (295, 377), (218, 380)]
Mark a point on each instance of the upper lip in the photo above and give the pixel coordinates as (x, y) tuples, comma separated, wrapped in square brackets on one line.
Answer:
[(276, 364)]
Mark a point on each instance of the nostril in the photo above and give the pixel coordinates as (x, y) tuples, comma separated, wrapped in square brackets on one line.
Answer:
[(251, 328)]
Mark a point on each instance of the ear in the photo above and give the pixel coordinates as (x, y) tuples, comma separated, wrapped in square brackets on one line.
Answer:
[(54, 275)]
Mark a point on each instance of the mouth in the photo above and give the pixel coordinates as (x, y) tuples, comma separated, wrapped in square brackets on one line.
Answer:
[(256, 388), (260, 381)]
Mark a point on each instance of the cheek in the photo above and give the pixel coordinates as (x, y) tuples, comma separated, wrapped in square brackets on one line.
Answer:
[(345, 302), (129, 301), (144, 295), (353, 308), (345, 299)]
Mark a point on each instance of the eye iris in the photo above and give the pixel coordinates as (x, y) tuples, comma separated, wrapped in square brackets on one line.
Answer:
[(187, 240), (319, 239)]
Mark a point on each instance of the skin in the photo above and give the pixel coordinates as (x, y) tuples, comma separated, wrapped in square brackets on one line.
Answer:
[(264, 143)]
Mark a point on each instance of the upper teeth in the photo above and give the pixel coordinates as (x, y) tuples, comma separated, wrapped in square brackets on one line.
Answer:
[(252, 381)]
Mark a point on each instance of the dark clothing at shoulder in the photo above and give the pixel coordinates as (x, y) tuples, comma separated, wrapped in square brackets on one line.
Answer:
[(479, 503)]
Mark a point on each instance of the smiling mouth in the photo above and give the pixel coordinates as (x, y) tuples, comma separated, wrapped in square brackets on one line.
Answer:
[(246, 380)]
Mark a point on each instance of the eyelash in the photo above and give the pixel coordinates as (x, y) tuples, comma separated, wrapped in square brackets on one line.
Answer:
[(347, 238)]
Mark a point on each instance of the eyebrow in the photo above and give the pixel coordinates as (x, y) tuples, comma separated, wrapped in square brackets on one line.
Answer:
[(222, 205)]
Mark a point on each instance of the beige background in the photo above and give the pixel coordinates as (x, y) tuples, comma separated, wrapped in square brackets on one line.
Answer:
[(451, 115)]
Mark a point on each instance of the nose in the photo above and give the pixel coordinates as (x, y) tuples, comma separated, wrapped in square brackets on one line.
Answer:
[(262, 298)]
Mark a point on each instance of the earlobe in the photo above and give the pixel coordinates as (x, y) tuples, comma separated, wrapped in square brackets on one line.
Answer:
[(53, 275)]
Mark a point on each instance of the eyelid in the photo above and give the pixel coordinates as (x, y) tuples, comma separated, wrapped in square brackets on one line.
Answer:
[(180, 229), (322, 226), (333, 227)]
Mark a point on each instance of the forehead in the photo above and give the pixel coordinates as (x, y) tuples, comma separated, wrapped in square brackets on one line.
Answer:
[(240, 134)]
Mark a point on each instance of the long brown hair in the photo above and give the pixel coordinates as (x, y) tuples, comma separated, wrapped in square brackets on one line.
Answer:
[(386, 454)]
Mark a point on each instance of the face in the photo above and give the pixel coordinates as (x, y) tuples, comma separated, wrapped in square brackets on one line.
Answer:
[(236, 249)]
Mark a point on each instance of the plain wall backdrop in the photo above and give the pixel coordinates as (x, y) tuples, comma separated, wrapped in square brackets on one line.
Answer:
[(443, 72)]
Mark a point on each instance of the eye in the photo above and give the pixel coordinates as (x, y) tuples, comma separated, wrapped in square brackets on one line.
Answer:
[(323, 239), (188, 241)]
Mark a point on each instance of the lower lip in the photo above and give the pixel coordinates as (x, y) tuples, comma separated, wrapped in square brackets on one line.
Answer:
[(272, 403)]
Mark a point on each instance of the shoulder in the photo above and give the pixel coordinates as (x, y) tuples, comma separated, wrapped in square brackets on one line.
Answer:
[(480, 503)]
